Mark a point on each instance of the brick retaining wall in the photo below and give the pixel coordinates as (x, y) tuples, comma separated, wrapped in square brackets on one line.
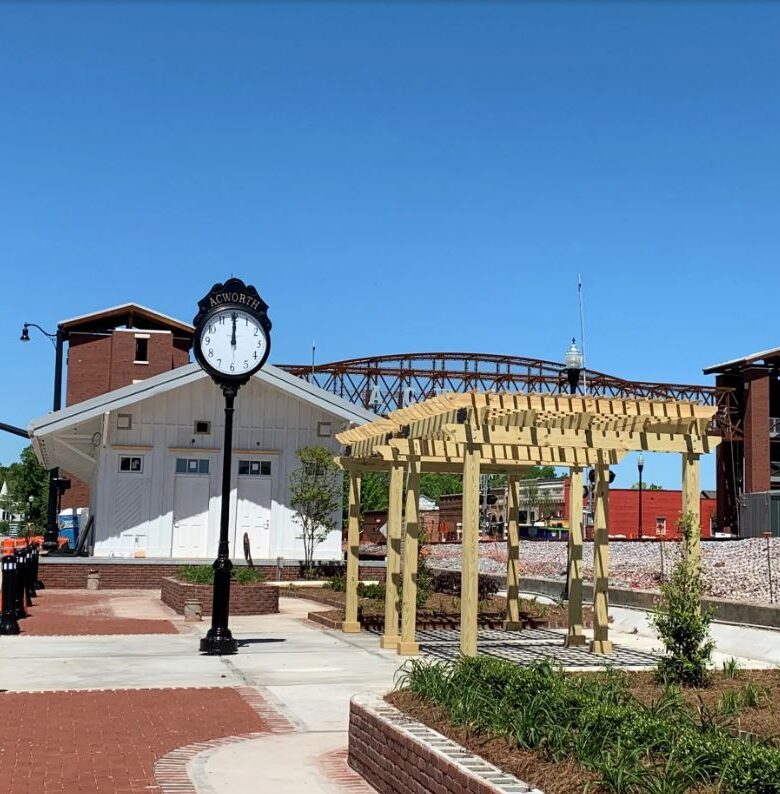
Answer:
[(245, 599), (398, 755), (71, 572)]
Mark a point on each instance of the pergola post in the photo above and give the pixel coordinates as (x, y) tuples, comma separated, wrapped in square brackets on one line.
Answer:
[(601, 642), (407, 645), (512, 622), (351, 624), (691, 503), (470, 552), (575, 635), (390, 637)]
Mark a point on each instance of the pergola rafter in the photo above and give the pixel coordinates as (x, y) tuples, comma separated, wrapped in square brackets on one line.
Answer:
[(507, 433)]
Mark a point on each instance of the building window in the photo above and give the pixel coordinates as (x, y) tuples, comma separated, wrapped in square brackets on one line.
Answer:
[(131, 463), (254, 468), (124, 421), (192, 466), (141, 350), (202, 428), (324, 429)]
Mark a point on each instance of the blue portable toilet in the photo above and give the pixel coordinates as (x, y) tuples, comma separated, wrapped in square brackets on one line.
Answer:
[(68, 522)]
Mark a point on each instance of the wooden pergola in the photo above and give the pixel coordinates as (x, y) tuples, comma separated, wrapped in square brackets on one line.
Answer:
[(489, 432)]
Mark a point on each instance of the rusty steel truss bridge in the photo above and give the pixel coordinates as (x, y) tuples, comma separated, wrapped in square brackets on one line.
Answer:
[(385, 383)]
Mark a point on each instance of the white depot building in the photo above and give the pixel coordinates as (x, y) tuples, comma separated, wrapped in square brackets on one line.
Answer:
[(151, 453)]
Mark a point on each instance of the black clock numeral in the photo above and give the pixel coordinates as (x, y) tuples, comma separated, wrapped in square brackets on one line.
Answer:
[(221, 319), (260, 343), (246, 365), (211, 352), (212, 329), (254, 355), (232, 367), (257, 331), (207, 340), (219, 362)]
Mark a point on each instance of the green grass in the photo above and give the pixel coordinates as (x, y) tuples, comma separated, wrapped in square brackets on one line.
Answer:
[(666, 746)]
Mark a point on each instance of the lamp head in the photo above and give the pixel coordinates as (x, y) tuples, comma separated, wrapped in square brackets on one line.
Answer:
[(640, 462), (25, 337), (573, 358)]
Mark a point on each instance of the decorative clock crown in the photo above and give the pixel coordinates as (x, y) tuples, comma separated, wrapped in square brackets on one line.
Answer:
[(233, 293)]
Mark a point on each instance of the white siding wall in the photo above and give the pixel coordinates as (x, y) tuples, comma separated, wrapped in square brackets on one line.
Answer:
[(162, 430)]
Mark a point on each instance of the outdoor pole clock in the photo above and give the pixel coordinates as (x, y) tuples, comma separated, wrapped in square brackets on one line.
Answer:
[(232, 341), (232, 333)]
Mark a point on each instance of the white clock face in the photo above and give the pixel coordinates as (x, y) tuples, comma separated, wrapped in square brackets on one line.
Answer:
[(233, 342)]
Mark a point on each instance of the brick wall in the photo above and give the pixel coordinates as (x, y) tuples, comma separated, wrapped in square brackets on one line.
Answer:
[(395, 763), (137, 574), (245, 599)]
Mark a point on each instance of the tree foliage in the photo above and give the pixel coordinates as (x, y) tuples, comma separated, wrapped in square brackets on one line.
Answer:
[(26, 478), (647, 486), (315, 495)]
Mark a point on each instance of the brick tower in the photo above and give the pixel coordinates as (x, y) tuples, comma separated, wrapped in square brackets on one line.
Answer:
[(115, 347)]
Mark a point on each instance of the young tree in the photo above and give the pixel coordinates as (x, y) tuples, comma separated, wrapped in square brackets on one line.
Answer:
[(315, 495), (682, 625)]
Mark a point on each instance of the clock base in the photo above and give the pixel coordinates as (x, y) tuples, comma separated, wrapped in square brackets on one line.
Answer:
[(218, 642)]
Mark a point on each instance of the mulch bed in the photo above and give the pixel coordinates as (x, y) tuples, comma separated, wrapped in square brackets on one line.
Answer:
[(569, 777), (443, 611)]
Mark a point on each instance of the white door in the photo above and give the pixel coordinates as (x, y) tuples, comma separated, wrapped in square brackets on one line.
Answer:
[(253, 516), (190, 516)]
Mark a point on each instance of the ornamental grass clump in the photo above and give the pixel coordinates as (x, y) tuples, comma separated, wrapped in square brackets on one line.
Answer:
[(682, 625)]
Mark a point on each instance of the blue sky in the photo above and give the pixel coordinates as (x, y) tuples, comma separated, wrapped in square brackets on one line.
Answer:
[(398, 177)]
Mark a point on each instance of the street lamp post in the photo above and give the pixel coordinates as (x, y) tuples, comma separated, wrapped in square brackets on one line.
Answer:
[(58, 340), (640, 464), (231, 343), (573, 363)]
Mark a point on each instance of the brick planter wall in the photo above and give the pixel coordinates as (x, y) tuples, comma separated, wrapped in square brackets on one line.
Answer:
[(245, 599), (71, 572), (398, 755)]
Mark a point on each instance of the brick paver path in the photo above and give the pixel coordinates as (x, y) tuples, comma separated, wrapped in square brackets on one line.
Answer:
[(108, 741), (83, 613)]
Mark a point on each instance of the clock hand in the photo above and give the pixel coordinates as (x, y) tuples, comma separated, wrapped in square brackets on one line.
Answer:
[(233, 335)]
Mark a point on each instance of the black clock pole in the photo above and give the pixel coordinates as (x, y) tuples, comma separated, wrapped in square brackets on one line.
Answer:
[(219, 640)]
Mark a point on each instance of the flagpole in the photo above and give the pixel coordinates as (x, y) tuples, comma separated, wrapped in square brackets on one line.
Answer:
[(582, 336)]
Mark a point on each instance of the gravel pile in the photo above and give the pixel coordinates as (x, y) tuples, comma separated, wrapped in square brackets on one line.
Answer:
[(732, 569)]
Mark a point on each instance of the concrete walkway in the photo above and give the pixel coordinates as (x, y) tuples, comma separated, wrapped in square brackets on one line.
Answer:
[(305, 674)]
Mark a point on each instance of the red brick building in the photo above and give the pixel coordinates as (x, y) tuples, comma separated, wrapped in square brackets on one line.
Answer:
[(750, 465), (660, 512), (117, 347)]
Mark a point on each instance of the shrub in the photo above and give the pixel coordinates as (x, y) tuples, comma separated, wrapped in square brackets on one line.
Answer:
[(246, 575), (337, 583), (196, 574), (373, 591), (448, 583), (204, 574), (682, 625)]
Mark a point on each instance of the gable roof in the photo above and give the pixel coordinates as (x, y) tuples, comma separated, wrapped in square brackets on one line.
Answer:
[(181, 376), (133, 315), (738, 363)]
